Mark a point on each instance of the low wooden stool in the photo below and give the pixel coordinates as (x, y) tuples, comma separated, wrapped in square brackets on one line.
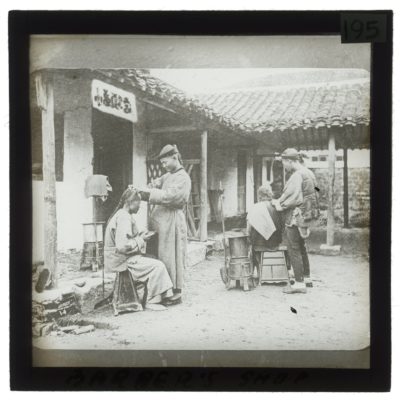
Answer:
[(273, 265), (125, 295)]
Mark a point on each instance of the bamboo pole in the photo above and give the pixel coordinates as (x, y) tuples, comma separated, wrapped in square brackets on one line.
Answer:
[(203, 187), (45, 96)]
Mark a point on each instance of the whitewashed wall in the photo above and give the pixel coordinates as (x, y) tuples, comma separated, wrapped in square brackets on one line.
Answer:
[(73, 208), (355, 158), (139, 171)]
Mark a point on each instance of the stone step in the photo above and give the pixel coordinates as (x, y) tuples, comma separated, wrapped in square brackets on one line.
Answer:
[(196, 252)]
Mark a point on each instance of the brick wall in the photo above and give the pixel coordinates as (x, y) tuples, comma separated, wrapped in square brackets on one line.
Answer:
[(359, 193)]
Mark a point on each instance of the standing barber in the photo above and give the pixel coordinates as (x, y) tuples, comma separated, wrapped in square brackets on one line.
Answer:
[(299, 206), (169, 194)]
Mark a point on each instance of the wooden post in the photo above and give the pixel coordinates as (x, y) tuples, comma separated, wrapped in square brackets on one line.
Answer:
[(264, 171), (203, 187), (345, 190), (249, 181), (257, 174), (330, 229), (45, 96)]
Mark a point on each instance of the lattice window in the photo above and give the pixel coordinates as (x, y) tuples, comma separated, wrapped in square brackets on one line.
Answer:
[(154, 170), (192, 210)]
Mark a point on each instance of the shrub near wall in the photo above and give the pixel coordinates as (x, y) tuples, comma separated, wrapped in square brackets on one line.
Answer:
[(359, 194)]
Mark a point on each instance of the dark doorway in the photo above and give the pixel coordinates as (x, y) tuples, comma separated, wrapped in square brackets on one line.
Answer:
[(242, 168), (112, 156)]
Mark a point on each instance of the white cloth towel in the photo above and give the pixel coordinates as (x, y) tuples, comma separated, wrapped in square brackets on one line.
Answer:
[(259, 218)]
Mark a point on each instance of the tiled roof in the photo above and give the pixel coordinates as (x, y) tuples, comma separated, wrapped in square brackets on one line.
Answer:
[(264, 113), (159, 89), (280, 108), (282, 115), (267, 109)]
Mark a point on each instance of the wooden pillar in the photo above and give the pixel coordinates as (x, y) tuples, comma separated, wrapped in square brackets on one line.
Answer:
[(45, 96), (264, 171), (345, 190), (249, 180), (203, 187), (330, 229), (257, 175)]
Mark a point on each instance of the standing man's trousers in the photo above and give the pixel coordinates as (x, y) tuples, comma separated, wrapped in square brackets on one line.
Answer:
[(297, 253)]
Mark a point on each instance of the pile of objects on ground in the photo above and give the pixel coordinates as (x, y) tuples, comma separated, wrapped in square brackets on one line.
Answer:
[(47, 312), (53, 317), (76, 295)]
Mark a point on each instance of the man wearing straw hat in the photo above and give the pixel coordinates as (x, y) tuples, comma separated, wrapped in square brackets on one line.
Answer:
[(299, 206), (169, 194)]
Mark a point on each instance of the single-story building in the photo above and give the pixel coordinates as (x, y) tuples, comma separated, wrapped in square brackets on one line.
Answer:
[(114, 122)]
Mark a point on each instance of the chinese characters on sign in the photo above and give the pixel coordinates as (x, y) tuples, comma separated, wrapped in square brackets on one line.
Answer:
[(112, 100)]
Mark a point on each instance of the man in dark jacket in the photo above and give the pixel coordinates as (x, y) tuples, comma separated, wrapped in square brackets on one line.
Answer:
[(299, 206)]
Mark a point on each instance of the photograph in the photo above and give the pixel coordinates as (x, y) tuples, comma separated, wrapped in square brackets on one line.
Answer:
[(214, 197)]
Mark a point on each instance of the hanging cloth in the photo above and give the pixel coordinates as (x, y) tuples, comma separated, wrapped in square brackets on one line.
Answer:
[(97, 185), (260, 219)]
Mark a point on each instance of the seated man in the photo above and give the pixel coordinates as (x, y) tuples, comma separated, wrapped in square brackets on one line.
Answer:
[(124, 247), (264, 224)]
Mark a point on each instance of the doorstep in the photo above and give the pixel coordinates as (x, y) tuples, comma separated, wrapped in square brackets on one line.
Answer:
[(196, 252)]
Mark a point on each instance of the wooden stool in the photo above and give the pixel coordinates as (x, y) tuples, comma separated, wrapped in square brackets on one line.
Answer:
[(274, 265), (125, 295)]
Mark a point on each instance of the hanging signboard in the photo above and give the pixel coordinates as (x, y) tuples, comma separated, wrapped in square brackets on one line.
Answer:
[(113, 100)]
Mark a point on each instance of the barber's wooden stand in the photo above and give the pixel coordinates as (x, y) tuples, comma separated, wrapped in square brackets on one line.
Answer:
[(238, 264), (93, 254)]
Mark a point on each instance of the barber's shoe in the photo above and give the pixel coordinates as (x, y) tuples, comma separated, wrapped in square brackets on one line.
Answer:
[(298, 287), (43, 280), (172, 301)]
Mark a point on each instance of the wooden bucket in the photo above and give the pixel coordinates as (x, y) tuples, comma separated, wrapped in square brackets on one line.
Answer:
[(239, 268), (239, 246)]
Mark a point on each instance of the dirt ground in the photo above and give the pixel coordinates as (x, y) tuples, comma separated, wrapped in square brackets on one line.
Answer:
[(333, 315)]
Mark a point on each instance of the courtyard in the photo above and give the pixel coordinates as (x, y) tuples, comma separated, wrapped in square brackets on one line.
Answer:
[(333, 315)]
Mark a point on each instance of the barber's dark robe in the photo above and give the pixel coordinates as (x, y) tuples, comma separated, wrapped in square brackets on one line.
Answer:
[(170, 194)]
